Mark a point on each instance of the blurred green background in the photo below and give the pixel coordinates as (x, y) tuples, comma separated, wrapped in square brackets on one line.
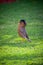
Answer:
[(21, 53)]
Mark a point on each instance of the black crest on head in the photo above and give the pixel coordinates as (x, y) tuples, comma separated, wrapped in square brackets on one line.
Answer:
[(23, 21)]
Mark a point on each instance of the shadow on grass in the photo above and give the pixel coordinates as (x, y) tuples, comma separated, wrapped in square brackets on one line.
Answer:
[(25, 44), (22, 57)]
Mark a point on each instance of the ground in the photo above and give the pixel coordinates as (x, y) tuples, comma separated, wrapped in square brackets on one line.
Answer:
[(17, 52)]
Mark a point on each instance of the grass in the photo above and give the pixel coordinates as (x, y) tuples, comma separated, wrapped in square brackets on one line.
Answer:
[(21, 53)]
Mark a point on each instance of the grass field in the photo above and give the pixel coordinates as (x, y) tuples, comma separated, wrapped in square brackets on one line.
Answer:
[(18, 52)]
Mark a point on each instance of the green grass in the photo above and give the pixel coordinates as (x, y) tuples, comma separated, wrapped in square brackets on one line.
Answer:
[(21, 53)]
